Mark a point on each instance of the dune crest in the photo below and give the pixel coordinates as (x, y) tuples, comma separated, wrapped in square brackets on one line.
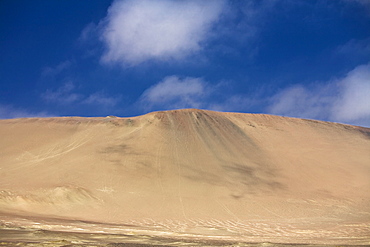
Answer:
[(193, 172)]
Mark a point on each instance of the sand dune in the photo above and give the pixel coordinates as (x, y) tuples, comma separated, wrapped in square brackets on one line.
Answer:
[(188, 174)]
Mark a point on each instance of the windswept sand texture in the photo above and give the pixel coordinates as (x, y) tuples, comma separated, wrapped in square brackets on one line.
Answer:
[(188, 174)]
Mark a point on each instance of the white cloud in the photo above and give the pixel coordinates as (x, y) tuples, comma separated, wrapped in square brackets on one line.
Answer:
[(346, 100), (354, 100), (135, 31), (175, 92), (301, 101)]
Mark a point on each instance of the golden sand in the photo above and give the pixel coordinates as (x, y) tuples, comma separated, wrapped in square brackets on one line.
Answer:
[(188, 174)]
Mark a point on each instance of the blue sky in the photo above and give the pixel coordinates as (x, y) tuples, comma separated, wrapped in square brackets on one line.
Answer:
[(298, 58)]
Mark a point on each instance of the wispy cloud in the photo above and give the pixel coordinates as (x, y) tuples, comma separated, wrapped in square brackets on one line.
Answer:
[(175, 92), (365, 3), (88, 33), (53, 71), (101, 99), (67, 95), (9, 111), (135, 31), (236, 103), (354, 50), (344, 100), (63, 95)]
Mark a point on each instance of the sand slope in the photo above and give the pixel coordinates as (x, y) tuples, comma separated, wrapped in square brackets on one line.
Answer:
[(189, 173)]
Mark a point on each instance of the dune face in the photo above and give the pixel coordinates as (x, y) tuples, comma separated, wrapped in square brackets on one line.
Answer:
[(189, 174)]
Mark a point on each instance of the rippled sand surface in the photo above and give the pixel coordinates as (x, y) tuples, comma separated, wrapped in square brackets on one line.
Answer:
[(184, 177), (56, 232)]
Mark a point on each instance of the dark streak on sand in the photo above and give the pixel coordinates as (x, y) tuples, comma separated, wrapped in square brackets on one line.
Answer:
[(37, 238)]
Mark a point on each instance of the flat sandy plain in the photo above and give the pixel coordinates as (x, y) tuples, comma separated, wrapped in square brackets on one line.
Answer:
[(183, 178)]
